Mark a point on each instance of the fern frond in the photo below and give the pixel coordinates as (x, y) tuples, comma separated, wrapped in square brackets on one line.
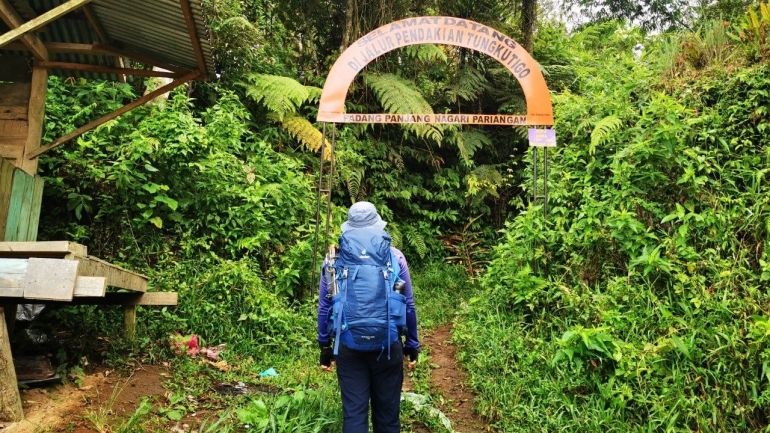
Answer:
[(396, 238), (281, 95), (593, 34), (470, 84), (468, 141), (304, 131), (355, 181), (603, 131), (584, 125), (417, 241), (313, 94), (396, 158), (433, 132), (271, 190), (488, 174), (521, 132), (426, 53), (399, 96)]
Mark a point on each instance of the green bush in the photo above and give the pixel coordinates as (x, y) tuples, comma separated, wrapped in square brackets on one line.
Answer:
[(229, 302)]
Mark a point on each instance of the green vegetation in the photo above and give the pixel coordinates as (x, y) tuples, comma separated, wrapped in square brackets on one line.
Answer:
[(638, 304)]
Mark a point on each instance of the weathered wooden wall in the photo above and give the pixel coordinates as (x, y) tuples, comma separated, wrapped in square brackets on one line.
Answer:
[(20, 199), (22, 114), (14, 120)]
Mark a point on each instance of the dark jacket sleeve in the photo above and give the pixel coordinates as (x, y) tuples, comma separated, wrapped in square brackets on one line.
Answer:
[(412, 341), (324, 309)]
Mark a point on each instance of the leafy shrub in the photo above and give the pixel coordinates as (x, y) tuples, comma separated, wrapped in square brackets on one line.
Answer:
[(302, 411), (228, 302)]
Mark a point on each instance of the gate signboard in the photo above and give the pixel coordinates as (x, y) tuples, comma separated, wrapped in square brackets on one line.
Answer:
[(437, 30)]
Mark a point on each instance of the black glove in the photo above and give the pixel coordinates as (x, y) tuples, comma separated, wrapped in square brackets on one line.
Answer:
[(412, 353), (327, 355)]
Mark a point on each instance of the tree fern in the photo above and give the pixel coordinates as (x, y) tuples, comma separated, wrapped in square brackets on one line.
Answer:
[(281, 95), (426, 53), (603, 131), (399, 96), (468, 141), (355, 183), (304, 131), (469, 85)]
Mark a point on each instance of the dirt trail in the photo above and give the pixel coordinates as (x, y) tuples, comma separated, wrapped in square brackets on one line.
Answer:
[(104, 395), (450, 382), (101, 394)]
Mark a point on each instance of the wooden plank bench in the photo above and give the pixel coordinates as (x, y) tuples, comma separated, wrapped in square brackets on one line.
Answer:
[(37, 272), (22, 263)]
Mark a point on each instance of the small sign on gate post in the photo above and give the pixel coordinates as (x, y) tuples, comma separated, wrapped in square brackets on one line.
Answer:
[(542, 137)]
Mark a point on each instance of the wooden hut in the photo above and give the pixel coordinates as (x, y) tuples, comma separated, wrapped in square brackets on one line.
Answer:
[(74, 38)]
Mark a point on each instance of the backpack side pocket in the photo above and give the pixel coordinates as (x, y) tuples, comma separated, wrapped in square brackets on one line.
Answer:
[(398, 311), (335, 318)]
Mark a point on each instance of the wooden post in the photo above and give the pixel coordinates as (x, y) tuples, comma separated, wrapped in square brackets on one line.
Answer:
[(129, 320), (10, 316), (6, 187), (36, 118), (10, 400)]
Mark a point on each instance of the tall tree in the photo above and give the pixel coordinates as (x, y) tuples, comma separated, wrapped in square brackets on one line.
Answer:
[(650, 15), (528, 22), (724, 9)]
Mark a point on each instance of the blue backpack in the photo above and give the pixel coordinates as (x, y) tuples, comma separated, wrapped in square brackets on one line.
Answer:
[(367, 315)]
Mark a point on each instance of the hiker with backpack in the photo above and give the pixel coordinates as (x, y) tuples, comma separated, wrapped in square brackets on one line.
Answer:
[(365, 306)]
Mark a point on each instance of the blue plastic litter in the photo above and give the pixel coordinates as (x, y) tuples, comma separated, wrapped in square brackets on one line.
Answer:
[(269, 372)]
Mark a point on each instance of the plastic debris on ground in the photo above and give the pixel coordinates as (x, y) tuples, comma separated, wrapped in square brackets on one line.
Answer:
[(28, 312), (422, 403), (239, 388), (191, 345), (269, 372)]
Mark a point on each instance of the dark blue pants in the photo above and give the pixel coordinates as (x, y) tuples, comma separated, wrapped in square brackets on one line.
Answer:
[(365, 376)]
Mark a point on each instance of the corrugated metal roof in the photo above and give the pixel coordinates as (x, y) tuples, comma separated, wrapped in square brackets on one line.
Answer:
[(153, 28)]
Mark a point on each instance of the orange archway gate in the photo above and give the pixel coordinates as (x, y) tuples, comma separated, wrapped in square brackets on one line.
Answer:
[(437, 30), (432, 30)]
